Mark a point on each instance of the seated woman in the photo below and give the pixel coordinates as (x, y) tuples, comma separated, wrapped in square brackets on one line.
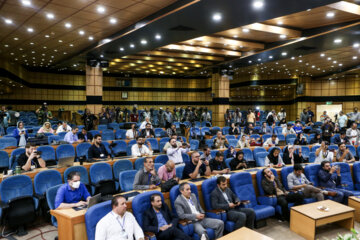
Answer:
[(309, 122), (293, 155), (238, 162), (243, 142), (300, 139), (317, 139), (273, 159), (256, 142), (234, 130), (21, 134), (46, 128)]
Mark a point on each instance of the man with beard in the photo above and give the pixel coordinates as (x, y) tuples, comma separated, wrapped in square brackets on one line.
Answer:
[(139, 150), (175, 152)]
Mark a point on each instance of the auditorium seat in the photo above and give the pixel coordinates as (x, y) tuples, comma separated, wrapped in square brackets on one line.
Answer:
[(241, 184), (314, 148), (102, 127), (161, 159), (216, 128), (139, 163), (94, 132), (232, 142), (305, 152), (102, 179), (260, 158), (266, 136), (194, 132), (311, 173), (62, 135), (120, 148), (271, 148), (126, 180), (209, 143), (186, 158), (248, 154), (64, 151), (205, 131), (352, 150), (4, 161), (47, 154), (179, 171), (120, 134), (53, 138), (120, 166), (278, 130), (346, 177), (154, 144), (107, 135), (50, 198), (194, 145), (333, 147), (227, 161), (14, 157), (312, 157), (6, 142), (356, 173), (225, 130), (93, 215), (46, 179), (82, 149)]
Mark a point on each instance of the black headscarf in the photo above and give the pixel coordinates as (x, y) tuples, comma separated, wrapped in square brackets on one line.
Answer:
[(274, 160)]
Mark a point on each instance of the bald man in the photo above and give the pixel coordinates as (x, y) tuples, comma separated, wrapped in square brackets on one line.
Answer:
[(167, 171)]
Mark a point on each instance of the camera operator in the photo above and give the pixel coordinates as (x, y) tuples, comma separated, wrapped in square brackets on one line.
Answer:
[(44, 115), (4, 120), (30, 159)]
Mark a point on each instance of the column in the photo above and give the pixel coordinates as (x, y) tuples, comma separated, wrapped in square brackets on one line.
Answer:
[(94, 88), (221, 100)]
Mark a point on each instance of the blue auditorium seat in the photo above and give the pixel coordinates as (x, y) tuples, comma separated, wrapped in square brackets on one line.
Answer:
[(154, 144), (126, 180), (107, 135), (120, 148), (260, 158), (7, 142), (120, 134), (194, 144), (4, 160), (120, 166), (161, 159), (46, 179), (53, 138), (14, 157), (82, 149), (346, 177), (65, 150), (47, 153), (50, 198), (93, 215), (101, 173), (356, 173), (139, 163)]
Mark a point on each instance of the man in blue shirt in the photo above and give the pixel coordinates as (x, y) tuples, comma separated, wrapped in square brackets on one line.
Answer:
[(330, 179), (196, 167), (161, 221), (72, 194), (71, 137)]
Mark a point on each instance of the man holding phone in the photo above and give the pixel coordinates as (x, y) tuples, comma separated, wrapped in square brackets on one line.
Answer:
[(344, 155), (217, 165), (223, 198), (30, 159), (323, 153), (175, 152), (196, 167)]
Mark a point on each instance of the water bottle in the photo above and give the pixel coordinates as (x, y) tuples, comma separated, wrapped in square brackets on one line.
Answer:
[(203, 237)]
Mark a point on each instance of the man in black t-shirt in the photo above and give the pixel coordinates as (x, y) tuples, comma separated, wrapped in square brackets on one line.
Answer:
[(97, 150), (217, 165), (196, 167), (30, 159), (85, 136)]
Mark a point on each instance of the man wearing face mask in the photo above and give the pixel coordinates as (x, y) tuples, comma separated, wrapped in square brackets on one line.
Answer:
[(72, 194)]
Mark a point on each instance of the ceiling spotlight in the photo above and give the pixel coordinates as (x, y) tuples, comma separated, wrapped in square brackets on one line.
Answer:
[(330, 14), (356, 45), (113, 20), (47, 36), (329, 58), (250, 61), (30, 30), (26, 2), (16, 38), (340, 64), (132, 45), (337, 40), (282, 36), (68, 25), (8, 21), (91, 38), (158, 36), (284, 53), (235, 36), (122, 49), (143, 42), (71, 45), (322, 55), (245, 30), (354, 57), (50, 16), (279, 23), (217, 17), (257, 4), (292, 58), (100, 9), (270, 57), (81, 32), (31, 43)]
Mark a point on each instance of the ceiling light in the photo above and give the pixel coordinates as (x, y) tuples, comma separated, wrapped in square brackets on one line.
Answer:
[(68, 25), (113, 20), (322, 55), (340, 64), (91, 38), (300, 61), (270, 57), (8, 21), (355, 57), (279, 23), (250, 61), (337, 40), (44, 47), (335, 61), (122, 49), (26, 2), (329, 58), (31, 43), (158, 36), (81, 32), (143, 42), (235, 36), (30, 30), (60, 41), (356, 45), (292, 58), (71, 45), (132, 45), (50, 16), (330, 14), (282, 36), (16, 38), (245, 30), (100, 9), (217, 17), (284, 53), (47, 36), (257, 4), (313, 66)]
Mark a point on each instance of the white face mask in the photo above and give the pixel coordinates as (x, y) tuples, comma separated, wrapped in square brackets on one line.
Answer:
[(76, 185)]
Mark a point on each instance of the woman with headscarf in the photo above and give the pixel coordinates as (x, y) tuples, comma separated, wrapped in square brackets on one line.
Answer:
[(317, 139), (234, 130), (46, 128), (293, 155), (274, 158), (21, 134), (238, 162), (300, 139)]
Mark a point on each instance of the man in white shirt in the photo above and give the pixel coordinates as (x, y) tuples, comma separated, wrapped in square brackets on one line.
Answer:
[(143, 124), (323, 154), (132, 133), (118, 224), (174, 152), (288, 130), (168, 145), (282, 114), (342, 119), (139, 149), (63, 128), (271, 142), (353, 134)]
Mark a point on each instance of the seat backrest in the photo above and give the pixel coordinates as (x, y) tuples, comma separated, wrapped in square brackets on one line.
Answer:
[(225, 130), (82, 149), (4, 159), (227, 162), (47, 152), (126, 180), (241, 184), (346, 177), (352, 150), (260, 158), (213, 153), (305, 151), (179, 171), (7, 142), (185, 157), (228, 137), (62, 135), (94, 132), (141, 203), (209, 142), (51, 195), (311, 173), (100, 171), (233, 142), (266, 136), (84, 176), (65, 150), (15, 186), (259, 178), (284, 173), (161, 159), (312, 157), (174, 192), (314, 148), (154, 143), (107, 135), (93, 215), (257, 150), (194, 144), (52, 138), (139, 163), (207, 187), (120, 166), (14, 156), (248, 154), (46, 179), (356, 172)]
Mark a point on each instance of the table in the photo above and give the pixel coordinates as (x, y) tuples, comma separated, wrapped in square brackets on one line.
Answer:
[(71, 224), (354, 202), (305, 218), (245, 233)]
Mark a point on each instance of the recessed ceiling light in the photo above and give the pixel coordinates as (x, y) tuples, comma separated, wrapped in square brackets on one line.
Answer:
[(340, 64), (31, 43), (112, 20), (65, 53), (354, 57), (245, 30), (313, 66), (143, 42), (68, 25), (335, 61), (279, 23), (356, 45), (47, 36), (71, 45), (132, 45), (158, 36), (300, 61), (100, 9), (292, 58), (16, 38), (308, 10), (284, 53), (330, 14), (26, 2), (60, 41), (121, 49), (217, 17), (8, 21), (44, 47), (30, 30), (50, 16), (257, 4), (337, 40), (81, 32), (329, 58), (270, 57), (322, 55), (282, 36), (250, 61), (91, 38)]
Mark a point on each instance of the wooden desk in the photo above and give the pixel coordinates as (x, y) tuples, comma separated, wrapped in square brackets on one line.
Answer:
[(305, 218), (71, 224), (354, 202), (245, 233)]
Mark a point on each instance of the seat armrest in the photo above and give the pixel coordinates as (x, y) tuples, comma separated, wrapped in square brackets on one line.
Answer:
[(4, 205), (216, 211), (39, 196), (267, 200), (149, 234), (184, 222)]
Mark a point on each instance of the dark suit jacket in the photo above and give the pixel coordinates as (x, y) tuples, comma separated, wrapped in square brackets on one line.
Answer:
[(150, 221), (143, 133), (89, 136), (337, 140), (269, 187), (218, 201)]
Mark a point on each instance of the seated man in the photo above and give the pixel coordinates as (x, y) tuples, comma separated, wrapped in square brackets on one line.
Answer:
[(271, 142), (249, 130), (139, 149), (171, 131), (188, 207), (342, 138), (273, 186), (298, 182), (168, 144), (132, 133), (143, 124), (72, 194), (196, 167), (167, 171), (85, 136), (147, 132), (175, 152), (288, 130), (72, 137), (119, 223), (323, 153), (223, 198), (30, 159), (63, 128), (206, 155), (161, 221), (344, 155), (220, 141), (97, 149), (330, 179), (146, 177), (217, 165)]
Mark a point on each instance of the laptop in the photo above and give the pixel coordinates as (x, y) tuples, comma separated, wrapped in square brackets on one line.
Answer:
[(64, 162), (282, 143), (92, 201)]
